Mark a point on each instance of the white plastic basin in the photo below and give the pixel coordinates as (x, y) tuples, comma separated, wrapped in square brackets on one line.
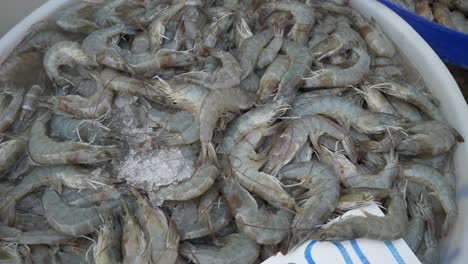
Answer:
[(418, 54)]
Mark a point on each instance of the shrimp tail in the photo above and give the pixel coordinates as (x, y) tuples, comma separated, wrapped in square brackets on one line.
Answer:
[(172, 237), (208, 153), (7, 211), (449, 221), (458, 136)]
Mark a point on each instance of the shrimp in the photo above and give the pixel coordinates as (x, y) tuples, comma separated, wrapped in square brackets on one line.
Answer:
[(287, 146), (120, 83), (96, 46), (442, 15), (322, 30), (341, 77), (193, 224), (272, 77), (376, 101), (304, 17), (269, 53), (236, 248), (47, 151), (437, 182), (95, 106), (405, 109), (10, 152), (389, 227), (430, 254), (422, 8), (243, 31), (78, 18), (346, 113), (133, 238), (202, 179), (107, 249), (342, 39), (140, 44), (216, 103), (72, 129), (222, 21), (188, 97), (157, 27), (300, 62), (251, 49), (415, 233), (35, 237), (42, 41), (428, 138), (10, 105), (17, 69), (65, 53), (108, 15), (377, 41), (261, 116), (412, 95), (353, 177), (29, 107), (319, 201), (266, 228), (150, 64), (228, 76), (173, 122), (359, 197), (162, 237), (245, 164), (73, 221)]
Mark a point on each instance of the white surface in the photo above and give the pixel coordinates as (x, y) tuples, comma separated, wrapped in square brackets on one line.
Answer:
[(13, 11), (343, 252), (415, 49)]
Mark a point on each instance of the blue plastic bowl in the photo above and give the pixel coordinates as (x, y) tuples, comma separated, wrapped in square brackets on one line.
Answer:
[(451, 45)]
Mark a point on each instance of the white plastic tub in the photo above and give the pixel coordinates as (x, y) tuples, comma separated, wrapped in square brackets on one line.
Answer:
[(418, 54)]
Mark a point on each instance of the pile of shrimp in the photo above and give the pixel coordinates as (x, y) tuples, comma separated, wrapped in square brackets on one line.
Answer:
[(450, 13), (290, 114)]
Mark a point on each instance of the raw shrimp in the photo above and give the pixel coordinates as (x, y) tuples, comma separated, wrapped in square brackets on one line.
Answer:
[(300, 62), (133, 238), (10, 105), (346, 113), (287, 146), (150, 64), (140, 44), (162, 237), (438, 183), (93, 107), (319, 201), (389, 227), (73, 221), (10, 152), (157, 27), (108, 15), (341, 77), (442, 15), (322, 30), (261, 116), (201, 180), (236, 248), (245, 164), (259, 224), (358, 197), (86, 130), (353, 177), (272, 78), (222, 21), (269, 53), (42, 41), (377, 41), (35, 237), (227, 76), (242, 32), (172, 122), (422, 8), (214, 105), (189, 97), (415, 233), (96, 46), (427, 138), (412, 95), (251, 48), (342, 39), (107, 249), (78, 18), (376, 101), (29, 107), (430, 254), (405, 109), (192, 224), (47, 151), (17, 69), (65, 53), (304, 17), (121, 83)]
